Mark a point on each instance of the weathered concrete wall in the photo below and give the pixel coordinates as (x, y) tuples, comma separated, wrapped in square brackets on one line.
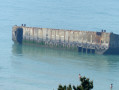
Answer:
[(14, 33), (114, 41), (79, 40)]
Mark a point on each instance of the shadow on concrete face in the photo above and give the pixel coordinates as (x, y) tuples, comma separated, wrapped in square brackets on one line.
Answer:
[(19, 35)]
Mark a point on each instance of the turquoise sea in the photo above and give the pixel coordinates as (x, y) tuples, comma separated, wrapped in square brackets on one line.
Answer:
[(25, 67)]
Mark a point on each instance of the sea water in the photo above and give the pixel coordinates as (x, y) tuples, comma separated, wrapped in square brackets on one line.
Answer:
[(24, 67)]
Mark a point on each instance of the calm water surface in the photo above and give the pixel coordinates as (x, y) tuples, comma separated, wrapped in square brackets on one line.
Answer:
[(35, 68)]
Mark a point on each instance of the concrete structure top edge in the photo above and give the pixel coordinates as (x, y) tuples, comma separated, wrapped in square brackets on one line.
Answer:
[(63, 29)]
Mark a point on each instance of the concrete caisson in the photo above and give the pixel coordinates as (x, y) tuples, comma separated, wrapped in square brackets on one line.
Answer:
[(82, 41)]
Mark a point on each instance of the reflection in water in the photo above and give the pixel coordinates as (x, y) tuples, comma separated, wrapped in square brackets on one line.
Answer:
[(17, 49), (59, 66), (38, 52)]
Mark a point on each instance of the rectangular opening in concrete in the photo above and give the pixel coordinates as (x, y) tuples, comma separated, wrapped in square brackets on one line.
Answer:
[(79, 49), (93, 50), (84, 50)]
